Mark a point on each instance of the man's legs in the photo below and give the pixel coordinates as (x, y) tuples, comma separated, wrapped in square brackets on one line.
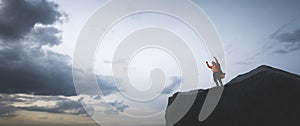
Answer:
[(215, 78), (220, 81)]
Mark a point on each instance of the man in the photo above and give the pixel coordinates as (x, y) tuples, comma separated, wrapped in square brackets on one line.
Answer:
[(217, 71)]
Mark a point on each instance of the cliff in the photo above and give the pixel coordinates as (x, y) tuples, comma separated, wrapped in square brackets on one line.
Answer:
[(265, 96)]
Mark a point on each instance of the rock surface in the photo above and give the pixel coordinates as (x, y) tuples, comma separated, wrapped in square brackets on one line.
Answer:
[(265, 96)]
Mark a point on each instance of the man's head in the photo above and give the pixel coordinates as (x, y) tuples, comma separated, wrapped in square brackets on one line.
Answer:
[(213, 63)]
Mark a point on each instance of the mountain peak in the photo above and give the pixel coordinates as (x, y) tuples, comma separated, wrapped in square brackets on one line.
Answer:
[(262, 71), (265, 67)]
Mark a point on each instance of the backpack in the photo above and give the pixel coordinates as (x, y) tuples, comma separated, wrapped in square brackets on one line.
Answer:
[(220, 70)]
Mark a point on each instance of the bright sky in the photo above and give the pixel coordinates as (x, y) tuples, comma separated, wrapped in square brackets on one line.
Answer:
[(244, 27)]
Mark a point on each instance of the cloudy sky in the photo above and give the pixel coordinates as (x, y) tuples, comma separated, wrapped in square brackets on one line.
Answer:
[(37, 41)]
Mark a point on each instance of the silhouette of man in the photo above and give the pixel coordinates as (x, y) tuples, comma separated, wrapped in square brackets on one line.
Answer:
[(217, 71)]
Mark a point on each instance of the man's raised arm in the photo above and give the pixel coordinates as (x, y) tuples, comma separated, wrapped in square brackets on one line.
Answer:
[(208, 65), (216, 60)]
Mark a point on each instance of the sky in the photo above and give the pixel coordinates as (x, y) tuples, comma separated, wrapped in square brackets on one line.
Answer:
[(38, 38)]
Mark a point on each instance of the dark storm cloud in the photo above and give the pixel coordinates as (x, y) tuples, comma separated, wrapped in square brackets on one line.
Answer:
[(289, 40), (293, 37), (25, 27), (35, 72), (282, 42), (64, 105), (18, 17), (61, 107), (26, 67), (9, 99), (115, 107), (45, 36)]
